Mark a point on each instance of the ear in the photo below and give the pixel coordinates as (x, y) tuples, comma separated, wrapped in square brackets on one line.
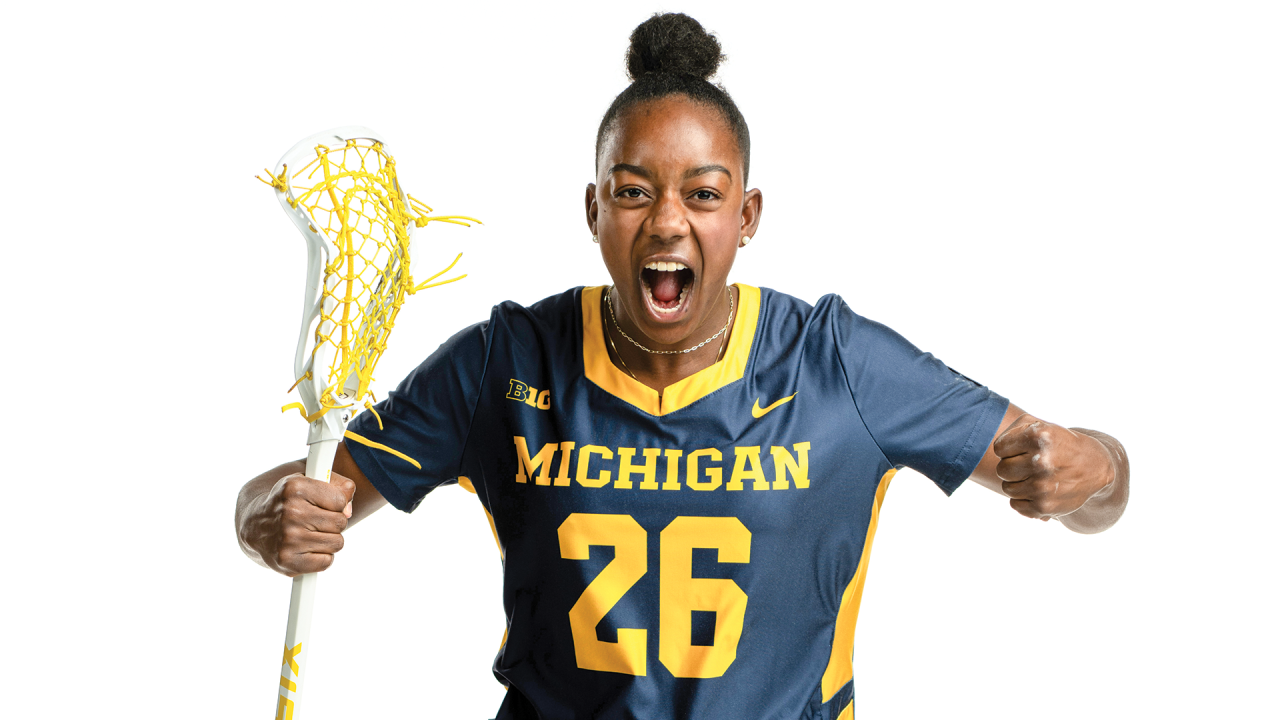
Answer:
[(592, 209), (752, 205)]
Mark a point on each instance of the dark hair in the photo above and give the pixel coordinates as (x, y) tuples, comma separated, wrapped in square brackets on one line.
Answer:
[(671, 54)]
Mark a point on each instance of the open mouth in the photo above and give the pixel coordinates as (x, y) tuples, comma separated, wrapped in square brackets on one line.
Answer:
[(666, 286)]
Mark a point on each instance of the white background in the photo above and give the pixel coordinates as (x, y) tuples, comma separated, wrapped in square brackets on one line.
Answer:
[(1075, 203)]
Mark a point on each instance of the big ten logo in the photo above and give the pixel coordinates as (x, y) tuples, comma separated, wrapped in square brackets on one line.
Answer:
[(530, 395)]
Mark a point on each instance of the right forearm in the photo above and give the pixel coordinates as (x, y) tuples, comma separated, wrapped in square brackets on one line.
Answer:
[(252, 495)]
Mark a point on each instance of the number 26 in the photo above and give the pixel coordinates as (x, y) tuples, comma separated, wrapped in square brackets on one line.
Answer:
[(680, 594)]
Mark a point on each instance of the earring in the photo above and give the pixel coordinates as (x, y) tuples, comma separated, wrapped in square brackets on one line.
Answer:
[(745, 239), (595, 239)]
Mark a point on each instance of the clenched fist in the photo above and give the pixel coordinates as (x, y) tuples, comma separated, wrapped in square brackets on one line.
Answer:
[(296, 526), (1049, 471)]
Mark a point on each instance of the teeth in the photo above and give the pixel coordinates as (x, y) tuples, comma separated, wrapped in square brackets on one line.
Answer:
[(665, 266)]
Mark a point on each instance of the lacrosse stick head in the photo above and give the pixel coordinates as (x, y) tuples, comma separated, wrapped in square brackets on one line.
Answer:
[(341, 191)]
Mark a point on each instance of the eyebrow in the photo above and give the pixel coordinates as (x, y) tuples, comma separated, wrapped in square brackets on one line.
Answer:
[(695, 172), (692, 173), (633, 169)]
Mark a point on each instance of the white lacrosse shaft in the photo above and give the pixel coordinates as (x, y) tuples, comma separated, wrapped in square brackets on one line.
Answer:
[(298, 632), (310, 360)]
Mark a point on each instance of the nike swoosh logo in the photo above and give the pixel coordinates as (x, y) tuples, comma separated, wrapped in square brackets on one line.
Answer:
[(756, 412)]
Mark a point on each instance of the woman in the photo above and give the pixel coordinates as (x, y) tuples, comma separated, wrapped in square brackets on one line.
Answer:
[(725, 448)]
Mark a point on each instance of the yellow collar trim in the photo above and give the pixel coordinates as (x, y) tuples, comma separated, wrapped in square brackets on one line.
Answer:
[(601, 371)]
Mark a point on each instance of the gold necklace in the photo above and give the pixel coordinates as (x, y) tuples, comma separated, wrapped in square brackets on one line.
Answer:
[(619, 355), (608, 301)]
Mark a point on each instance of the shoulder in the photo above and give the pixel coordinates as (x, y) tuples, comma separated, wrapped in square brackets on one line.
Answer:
[(781, 307), (826, 332), (551, 319), (512, 326), (553, 312), (788, 319), (793, 336)]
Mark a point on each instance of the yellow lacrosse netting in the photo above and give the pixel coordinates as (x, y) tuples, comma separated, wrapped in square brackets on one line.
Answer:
[(353, 198)]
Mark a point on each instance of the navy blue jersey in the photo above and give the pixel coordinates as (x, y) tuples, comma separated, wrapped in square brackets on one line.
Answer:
[(695, 555)]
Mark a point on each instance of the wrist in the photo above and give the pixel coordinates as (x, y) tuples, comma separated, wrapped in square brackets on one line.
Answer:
[(248, 522), (1105, 506), (1110, 469)]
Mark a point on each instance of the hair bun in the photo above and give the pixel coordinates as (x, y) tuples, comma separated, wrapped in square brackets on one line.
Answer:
[(673, 43)]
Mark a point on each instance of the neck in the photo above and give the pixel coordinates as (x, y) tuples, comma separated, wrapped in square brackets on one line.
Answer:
[(661, 370)]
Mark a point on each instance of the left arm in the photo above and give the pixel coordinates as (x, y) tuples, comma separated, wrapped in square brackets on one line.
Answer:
[(1080, 477)]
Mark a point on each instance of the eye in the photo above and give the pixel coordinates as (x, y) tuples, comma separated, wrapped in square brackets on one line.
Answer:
[(631, 192), (705, 195)]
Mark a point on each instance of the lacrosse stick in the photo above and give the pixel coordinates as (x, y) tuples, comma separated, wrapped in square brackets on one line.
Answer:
[(340, 189)]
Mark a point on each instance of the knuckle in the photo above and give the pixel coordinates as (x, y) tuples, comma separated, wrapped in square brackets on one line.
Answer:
[(291, 535), (339, 500), (293, 486), (292, 515)]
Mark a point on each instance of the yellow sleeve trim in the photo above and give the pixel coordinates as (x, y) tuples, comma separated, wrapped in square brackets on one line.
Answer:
[(847, 712), (840, 666), (379, 446)]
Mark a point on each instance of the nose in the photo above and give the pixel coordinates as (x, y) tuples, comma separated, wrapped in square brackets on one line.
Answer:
[(667, 218)]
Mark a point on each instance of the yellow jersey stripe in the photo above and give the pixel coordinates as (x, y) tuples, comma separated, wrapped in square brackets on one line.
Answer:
[(840, 666), (465, 483)]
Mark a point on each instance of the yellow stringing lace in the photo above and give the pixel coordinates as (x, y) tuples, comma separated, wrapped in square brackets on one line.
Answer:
[(352, 194)]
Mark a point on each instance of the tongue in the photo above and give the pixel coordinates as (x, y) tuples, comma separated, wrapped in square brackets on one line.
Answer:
[(666, 286)]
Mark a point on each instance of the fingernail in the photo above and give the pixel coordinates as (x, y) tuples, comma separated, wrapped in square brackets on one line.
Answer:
[(347, 510)]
